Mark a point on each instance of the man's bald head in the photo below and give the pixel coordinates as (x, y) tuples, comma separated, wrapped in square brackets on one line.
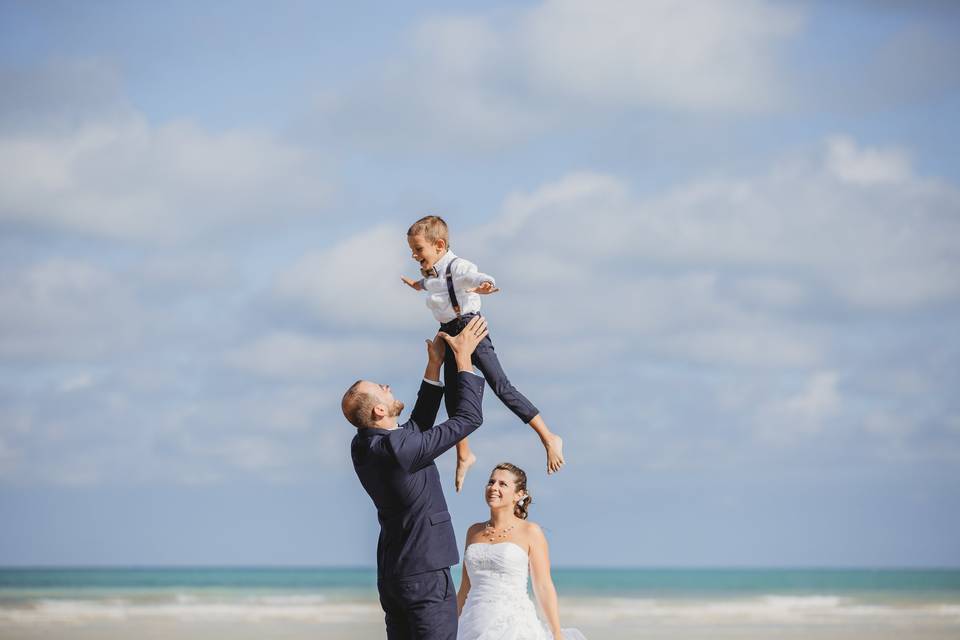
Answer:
[(365, 403), (358, 403)]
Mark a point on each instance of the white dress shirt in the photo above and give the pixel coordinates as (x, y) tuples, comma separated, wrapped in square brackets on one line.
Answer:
[(465, 276)]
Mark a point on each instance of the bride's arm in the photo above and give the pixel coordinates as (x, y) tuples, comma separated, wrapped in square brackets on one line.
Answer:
[(464, 576), (464, 590), (542, 582)]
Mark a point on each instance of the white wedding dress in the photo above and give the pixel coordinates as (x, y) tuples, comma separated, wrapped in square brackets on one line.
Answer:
[(497, 606)]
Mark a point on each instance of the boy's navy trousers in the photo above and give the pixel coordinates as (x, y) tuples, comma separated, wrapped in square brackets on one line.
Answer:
[(485, 359)]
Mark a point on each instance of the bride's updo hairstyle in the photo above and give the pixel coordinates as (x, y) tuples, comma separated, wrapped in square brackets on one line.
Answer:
[(520, 480)]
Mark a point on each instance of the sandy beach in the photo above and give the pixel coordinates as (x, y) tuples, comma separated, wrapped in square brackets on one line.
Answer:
[(606, 619)]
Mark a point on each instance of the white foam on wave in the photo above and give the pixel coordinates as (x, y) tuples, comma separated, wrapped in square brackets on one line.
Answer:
[(306, 608), (772, 609), (317, 608), (952, 610)]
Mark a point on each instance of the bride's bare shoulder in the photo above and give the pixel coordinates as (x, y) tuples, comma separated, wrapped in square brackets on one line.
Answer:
[(475, 529), (532, 529)]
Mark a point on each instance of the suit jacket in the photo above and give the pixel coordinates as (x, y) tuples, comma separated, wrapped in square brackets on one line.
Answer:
[(397, 470)]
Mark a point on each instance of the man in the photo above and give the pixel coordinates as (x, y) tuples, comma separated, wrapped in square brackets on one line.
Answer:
[(395, 465)]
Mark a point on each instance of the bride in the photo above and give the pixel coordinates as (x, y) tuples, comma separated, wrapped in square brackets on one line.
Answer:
[(492, 602)]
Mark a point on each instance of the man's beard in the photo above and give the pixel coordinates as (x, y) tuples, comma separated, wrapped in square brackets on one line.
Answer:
[(396, 409)]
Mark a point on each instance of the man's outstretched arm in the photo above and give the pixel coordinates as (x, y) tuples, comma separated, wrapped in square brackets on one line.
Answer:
[(414, 450), (425, 410)]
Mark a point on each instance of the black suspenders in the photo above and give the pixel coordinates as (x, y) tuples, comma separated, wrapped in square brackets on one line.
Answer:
[(453, 295)]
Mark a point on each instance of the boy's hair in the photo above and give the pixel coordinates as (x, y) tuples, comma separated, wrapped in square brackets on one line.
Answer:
[(432, 228)]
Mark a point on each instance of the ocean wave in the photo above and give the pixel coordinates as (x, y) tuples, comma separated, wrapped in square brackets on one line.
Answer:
[(774, 609), (305, 608), (320, 608)]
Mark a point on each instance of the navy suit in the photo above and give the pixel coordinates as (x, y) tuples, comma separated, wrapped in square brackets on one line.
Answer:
[(417, 544)]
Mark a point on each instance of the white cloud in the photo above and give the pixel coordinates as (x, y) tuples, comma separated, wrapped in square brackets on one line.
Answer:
[(854, 222), (280, 433), (277, 432), (64, 309), (741, 346), (488, 79), (689, 55), (356, 283), (772, 291), (188, 270), (298, 356), (128, 179), (247, 452), (889, 425), (803, 414), (77, 382), (865, 166), (819, 399)]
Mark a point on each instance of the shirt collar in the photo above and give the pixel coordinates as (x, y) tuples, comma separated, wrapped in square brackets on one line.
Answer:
[(441, 265), (366, 432)]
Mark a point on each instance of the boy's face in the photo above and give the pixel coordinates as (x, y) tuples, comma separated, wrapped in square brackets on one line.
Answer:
[(425, 252)]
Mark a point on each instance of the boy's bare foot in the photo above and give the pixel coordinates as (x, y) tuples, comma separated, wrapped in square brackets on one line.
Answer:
[(463, 465), (554, 447)]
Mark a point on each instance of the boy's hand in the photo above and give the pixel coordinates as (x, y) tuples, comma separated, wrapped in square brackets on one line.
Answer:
[(484, 288), (413, 284)]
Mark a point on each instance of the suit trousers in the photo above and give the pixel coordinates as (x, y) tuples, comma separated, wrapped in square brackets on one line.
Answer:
[(420, 607), (485, 359)]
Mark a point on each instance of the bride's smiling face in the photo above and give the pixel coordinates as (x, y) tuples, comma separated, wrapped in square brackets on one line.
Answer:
[(502, 489)]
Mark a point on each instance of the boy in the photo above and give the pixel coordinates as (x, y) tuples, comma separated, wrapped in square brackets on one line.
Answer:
[(453, 287)]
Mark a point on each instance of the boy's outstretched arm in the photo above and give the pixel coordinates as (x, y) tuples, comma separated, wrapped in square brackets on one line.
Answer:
[(413, 284), (485, 288), (466, 276)]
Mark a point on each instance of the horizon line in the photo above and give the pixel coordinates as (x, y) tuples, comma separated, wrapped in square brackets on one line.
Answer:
[(585, 567)]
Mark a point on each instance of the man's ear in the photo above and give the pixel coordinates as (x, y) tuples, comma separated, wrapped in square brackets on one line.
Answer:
[(379, 410)]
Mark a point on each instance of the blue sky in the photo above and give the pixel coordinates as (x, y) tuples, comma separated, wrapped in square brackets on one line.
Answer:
[(727, 237)]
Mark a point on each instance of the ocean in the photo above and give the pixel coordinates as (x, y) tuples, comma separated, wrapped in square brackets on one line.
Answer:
[(604, 603)]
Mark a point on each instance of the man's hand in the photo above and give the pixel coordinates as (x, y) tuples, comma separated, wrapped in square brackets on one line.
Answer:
[(436, 349), (464, 343), (413, 284), (484, 288)]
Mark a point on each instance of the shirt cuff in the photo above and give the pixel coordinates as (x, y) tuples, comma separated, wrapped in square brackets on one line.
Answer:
[(435, 383)]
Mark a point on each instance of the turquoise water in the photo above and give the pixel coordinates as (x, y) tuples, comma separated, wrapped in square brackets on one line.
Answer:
[(671, 583), (700, 583)]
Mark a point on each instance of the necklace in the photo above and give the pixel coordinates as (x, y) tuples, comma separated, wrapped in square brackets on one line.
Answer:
[(490, 532)]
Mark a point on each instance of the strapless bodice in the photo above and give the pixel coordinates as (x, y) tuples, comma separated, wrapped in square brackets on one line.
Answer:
[(496, 570)]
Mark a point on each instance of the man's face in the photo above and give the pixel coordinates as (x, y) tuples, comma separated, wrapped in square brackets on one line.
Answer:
[(424, 252), (384, 397)]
